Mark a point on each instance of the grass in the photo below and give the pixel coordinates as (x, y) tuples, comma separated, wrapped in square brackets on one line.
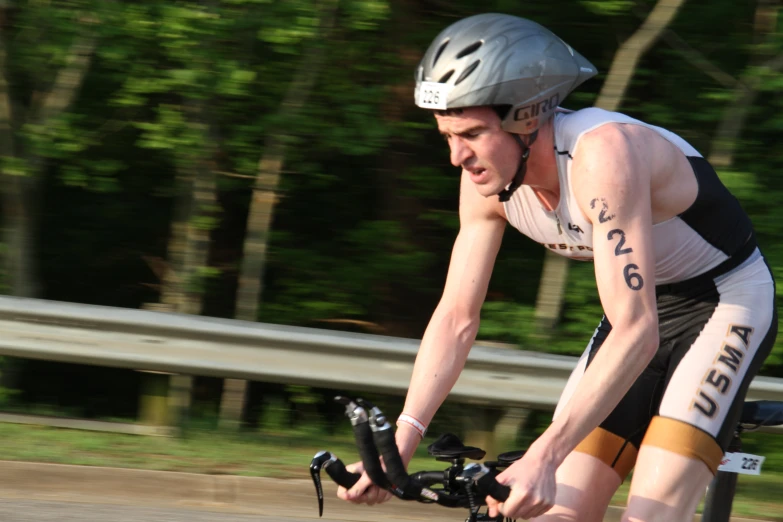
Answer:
[(271, 453)]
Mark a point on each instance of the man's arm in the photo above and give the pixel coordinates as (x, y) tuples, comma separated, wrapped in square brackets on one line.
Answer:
[(612, 172), (452, 329)]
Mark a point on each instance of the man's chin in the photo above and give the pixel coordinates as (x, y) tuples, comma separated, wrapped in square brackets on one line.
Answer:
[(488, 190)]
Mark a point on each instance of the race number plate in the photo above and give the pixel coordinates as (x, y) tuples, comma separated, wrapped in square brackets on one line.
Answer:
[(743, 463), (432, 95)]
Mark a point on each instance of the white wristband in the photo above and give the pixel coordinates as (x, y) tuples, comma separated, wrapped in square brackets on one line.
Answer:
[(413, 422)]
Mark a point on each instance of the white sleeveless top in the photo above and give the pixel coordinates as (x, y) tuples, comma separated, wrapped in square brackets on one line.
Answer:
[(684, 246)]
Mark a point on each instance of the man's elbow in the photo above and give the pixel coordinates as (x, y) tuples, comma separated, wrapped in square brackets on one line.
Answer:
[(462, 323), (649, 340), (643, 334)]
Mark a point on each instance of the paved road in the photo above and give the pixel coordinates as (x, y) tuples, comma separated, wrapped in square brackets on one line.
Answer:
[(40, 511), (32, 492), (23, 510)]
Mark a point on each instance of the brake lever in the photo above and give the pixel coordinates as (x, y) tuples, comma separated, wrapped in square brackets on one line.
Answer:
[(335, 469), (315, 472)]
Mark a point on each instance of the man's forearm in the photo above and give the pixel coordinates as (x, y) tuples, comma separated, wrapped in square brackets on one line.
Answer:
[(439, 362), (612, 372)]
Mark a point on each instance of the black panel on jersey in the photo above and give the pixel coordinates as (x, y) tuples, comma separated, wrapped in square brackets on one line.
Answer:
[(683, 310), (716, 215)]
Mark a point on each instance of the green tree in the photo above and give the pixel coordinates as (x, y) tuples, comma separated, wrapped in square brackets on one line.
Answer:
[(44, 57)]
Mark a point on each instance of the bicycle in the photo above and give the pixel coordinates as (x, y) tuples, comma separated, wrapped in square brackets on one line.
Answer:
[(467, 486)]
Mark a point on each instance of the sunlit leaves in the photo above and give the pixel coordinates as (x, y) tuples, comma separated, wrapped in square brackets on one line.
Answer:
[(608, 7), (366, 15)]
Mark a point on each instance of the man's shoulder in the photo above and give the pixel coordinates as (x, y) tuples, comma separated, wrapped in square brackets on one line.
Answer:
[(571, 127)]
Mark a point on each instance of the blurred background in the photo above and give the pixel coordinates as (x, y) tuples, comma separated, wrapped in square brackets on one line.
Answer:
[(263, 160)]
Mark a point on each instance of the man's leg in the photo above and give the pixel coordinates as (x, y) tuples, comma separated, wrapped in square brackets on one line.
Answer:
[(666, 486), (712, 364), (585, 486), (587, 479)]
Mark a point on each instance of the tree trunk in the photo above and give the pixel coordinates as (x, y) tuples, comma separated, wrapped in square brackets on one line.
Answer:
[(16, 275), (20, 190), (267, 180), (259, 221), (172, 291), (182, 290), (745, 91), (198, 238), (627, 57), (551, 292)]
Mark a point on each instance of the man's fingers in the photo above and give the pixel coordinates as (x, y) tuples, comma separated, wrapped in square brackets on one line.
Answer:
[(364, 491), (359, 488), (493, 506)]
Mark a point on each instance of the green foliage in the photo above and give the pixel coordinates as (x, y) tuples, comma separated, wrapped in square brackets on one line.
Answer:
[(608, 8), (367, 208), (508, 322)]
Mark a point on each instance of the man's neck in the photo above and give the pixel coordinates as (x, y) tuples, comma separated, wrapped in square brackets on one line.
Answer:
[(542, 165)]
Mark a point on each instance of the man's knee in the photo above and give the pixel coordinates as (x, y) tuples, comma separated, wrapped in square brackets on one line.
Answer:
[(585, 486), (642, 509)]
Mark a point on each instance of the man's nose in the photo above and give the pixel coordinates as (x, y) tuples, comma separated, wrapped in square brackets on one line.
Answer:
[(460, 153)]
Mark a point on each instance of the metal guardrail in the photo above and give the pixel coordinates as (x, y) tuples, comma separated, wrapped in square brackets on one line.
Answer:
[(226, 348)]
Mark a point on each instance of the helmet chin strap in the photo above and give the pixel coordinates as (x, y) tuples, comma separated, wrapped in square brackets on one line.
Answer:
[(505, 194)]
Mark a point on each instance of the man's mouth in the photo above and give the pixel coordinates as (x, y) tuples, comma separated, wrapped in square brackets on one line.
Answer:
[(477, 173)]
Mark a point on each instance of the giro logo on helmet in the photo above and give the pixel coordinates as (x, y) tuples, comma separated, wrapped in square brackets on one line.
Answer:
[(542, 107)]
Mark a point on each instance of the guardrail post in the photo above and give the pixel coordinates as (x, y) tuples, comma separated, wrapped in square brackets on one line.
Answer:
[(153, 404), (180, 391), (493, 429), (232, 403)]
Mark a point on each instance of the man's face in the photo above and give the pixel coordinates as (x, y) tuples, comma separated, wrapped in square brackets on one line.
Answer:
[(481, 147)]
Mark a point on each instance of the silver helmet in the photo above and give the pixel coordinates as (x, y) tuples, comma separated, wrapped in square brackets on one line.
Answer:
[(500, 60)]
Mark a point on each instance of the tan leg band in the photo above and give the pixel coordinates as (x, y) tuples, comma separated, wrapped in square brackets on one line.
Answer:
[(611, 449), (680, 437)]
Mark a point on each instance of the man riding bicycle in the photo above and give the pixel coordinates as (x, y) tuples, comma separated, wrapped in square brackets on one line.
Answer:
[(688, 298)]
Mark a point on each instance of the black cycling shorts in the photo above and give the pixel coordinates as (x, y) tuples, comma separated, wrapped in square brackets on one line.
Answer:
[(716, 330)]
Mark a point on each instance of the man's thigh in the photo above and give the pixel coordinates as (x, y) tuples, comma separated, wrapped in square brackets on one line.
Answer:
[(666, 486), (585, 486)]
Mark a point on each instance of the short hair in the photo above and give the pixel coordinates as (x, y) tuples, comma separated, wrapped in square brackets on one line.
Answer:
[(500, 110), (447, 112)]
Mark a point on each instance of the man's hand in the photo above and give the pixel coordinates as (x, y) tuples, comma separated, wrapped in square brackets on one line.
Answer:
[(533, 488), (364, 491)]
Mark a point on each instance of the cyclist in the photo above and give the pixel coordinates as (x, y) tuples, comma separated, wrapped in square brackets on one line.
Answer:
[(688, 299)]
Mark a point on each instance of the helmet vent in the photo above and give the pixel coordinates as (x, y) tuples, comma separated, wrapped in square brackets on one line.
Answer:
[(472, 48), (469, 69), (445, 77), (440, 51)]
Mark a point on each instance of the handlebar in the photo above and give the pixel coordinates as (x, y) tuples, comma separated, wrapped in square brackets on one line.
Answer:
[(459, 487)]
